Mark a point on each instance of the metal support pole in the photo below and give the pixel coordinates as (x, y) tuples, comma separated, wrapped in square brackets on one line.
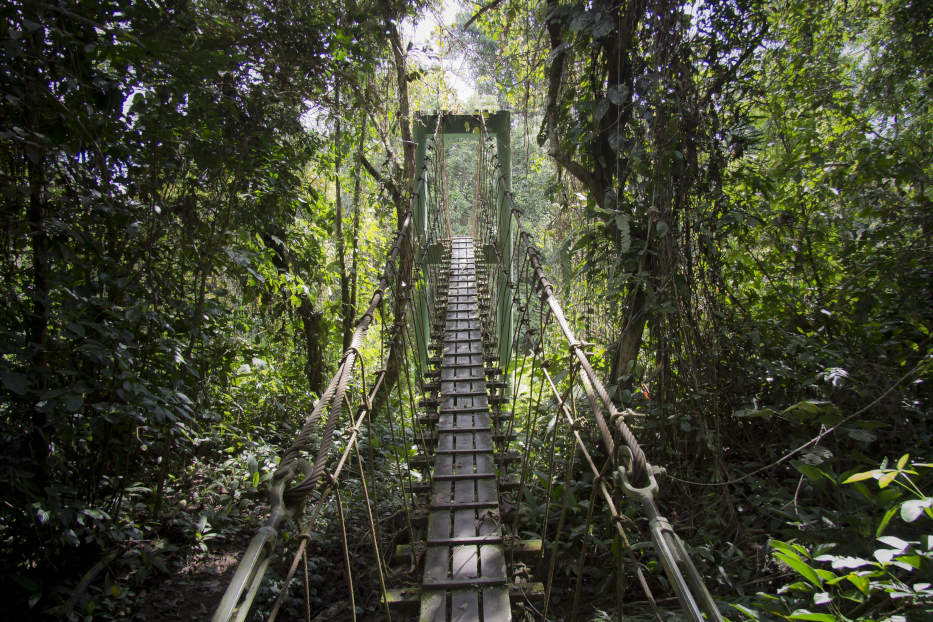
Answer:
[(502, 124), (421, 319)]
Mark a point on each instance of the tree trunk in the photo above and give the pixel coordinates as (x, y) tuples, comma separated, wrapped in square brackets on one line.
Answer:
[(311, 320), (404, 113), (357, 190), (397, 346), (630, 340), (346, 312)]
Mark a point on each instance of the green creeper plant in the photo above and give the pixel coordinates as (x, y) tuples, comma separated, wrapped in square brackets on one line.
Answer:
[(893, 583)]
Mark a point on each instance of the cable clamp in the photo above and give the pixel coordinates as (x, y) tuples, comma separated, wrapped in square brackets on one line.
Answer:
[(280, 479), (644, 494)]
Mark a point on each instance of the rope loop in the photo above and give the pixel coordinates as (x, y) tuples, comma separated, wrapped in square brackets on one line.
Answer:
[(639, 466)]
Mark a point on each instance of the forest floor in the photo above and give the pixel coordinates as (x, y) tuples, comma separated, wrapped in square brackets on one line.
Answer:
[(195, 583)]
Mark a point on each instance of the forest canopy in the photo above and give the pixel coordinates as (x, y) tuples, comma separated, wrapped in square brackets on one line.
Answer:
[(733, 200)]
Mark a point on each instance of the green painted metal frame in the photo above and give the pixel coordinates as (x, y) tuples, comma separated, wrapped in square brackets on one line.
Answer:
[(498, 124)]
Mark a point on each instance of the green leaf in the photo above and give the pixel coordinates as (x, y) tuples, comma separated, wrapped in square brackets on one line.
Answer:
[(911, 510), (814, 474), (623, 224), (894, 542), (843, 561), (816, 455), (751, 411), (862, 476), (914, 561), (886, 519), (902, 461), (886, 479), (751, 613), (804, 614), (782, 546), (601, 108), (860, 582), (802, 568)]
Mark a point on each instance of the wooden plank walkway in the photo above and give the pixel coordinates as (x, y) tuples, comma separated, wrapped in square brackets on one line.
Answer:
[(464, 569)]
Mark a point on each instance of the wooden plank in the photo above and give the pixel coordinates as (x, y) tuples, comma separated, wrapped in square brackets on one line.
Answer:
[(433, 606), (436, 560), (465, 490), (464, 562), (463, 440), (444, 463), (486, 491), (488, 523), (464, 542), (442, 491), (484, 463), (491, 561), (464, 523), (439, 525), (464, 606), (520, 548), (462, 463), (496, 605)]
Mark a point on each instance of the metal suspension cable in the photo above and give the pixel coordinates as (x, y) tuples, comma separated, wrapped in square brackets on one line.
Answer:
[(633, 473), (295, 479)]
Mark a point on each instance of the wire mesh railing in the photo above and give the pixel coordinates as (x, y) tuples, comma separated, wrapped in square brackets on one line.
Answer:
[(384, 355), (547, 358), (556, 408)]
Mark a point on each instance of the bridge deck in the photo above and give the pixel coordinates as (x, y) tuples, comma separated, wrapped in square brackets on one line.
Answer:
[(464, 570)]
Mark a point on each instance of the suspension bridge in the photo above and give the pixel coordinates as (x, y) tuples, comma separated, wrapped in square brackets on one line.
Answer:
[(470, 336)]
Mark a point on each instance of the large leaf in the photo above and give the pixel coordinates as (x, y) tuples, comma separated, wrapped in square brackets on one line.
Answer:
[(801, 567), (804, 614), (911, 510), (858, 477)]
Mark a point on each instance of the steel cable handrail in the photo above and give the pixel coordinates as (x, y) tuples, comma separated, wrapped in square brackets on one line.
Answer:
[(633, 472), (285, 496)]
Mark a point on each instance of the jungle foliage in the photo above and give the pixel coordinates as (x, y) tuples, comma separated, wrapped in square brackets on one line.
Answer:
[(750, 203), (735, 198)]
